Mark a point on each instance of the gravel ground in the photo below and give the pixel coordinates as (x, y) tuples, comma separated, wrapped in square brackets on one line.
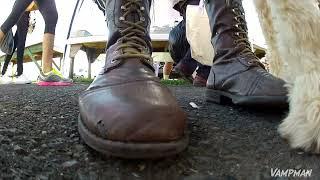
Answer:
[(39, 140)]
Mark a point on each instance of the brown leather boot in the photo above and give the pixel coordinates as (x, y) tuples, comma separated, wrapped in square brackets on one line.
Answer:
[(237, 76), (126, 112)]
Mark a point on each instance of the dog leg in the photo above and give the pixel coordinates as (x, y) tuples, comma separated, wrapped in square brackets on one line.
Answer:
[(298, 42), (268, 29)]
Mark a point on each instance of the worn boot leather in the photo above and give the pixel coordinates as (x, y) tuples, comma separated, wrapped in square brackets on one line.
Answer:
[(237, 76), (126, 111)]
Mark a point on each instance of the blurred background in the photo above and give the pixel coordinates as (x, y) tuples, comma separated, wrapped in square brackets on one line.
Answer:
[(92, 20)]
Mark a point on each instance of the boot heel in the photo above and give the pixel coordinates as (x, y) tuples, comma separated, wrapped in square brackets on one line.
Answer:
[(213, 96)]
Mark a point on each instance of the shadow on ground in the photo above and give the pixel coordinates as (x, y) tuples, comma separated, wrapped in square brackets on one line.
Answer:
[(39, 140)]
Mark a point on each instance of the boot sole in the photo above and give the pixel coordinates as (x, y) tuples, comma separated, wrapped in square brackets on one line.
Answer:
[(131, 150), (221, 97)]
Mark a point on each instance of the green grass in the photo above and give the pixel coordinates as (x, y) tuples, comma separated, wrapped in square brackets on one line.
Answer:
[(82, 80), (175, 82)]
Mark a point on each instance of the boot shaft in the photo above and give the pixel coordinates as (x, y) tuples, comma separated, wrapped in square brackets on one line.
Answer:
[(120, 12), (228, 26)]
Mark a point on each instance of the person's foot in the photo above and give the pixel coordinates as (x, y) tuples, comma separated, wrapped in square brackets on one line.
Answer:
[(53, 78), (186, 66), (184, 71), (4, 79), (22, 79), (237, 76), (199, 81), (126, 112)]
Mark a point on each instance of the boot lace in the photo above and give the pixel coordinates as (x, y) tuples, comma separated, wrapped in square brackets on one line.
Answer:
[(242, 31), (133, 44)]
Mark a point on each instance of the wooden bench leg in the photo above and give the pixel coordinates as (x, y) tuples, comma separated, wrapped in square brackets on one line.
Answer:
[(34, 60), (55, 64), (71, 68), (156, 66)]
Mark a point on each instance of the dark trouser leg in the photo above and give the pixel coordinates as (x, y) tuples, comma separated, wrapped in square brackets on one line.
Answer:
[(18, 9), (189, 63), (203, 71), (101, 5), (9, 56), (22, 30), (49, 13)]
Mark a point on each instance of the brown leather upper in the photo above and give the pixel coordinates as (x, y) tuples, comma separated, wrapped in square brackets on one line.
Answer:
[(129, 103)]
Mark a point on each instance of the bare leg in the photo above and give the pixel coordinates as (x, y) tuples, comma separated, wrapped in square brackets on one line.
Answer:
[(47, 54), (167, 70), (49, 13), (1, 35)]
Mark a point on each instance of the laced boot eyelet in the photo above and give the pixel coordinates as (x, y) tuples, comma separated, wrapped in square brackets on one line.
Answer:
[(123, 7), (113, 61), (142, 8), (121, 18), (142, 19)]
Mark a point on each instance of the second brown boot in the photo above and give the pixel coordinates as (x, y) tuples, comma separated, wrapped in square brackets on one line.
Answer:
[(237, 76)]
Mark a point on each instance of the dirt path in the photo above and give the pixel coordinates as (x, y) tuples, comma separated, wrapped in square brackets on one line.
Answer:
[(39, 140)]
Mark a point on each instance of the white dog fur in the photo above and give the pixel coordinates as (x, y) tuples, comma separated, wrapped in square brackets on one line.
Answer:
[(292, 32)]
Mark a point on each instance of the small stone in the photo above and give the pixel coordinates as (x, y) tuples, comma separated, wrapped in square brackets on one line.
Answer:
[(299, 166), (13, 130), (300, 152), (27, 159), (28, 108), (194, 105), (76, 155), (42, 177), (68, 164), (41, 157), (194, 170), (204, 142), (79, 147), (9, 132), (135, 175), (44, 132), (19, 150), (5, 140), (44, 146), (141, 167), (32, 141)]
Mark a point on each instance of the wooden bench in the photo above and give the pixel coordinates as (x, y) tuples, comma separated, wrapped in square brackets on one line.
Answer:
[(33, 53), (96, 45)]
